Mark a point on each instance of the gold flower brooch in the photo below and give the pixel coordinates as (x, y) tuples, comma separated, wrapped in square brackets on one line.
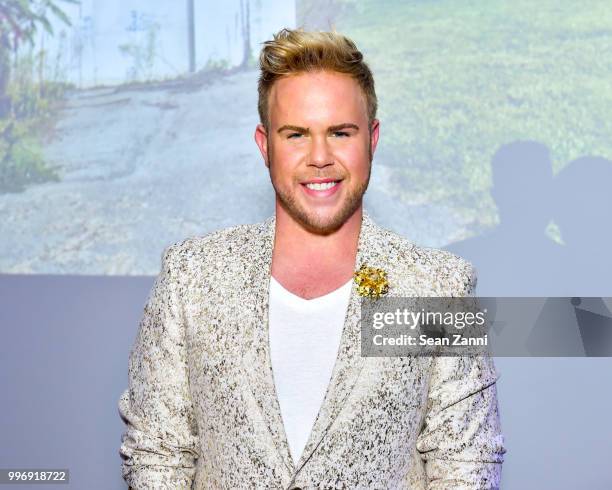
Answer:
[(371, 282)]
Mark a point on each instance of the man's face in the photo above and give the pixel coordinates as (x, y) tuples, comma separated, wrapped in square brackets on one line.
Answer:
[(318, 148)]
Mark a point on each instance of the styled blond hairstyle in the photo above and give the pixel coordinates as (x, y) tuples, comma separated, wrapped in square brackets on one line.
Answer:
[(299, 51)]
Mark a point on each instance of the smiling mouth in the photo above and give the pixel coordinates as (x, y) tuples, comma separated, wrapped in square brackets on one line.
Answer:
[(323, 189), (321, 186)]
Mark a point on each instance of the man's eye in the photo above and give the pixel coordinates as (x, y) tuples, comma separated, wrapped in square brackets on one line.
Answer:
[(341, 133), (293, 134)]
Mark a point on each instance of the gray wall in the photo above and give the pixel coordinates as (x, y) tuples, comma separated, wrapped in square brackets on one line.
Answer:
[(63, 365)]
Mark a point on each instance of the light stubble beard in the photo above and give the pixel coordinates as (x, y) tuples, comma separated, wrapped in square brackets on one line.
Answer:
[(312, 222)]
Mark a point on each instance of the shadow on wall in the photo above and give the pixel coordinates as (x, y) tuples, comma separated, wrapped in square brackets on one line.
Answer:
[(517, 258)]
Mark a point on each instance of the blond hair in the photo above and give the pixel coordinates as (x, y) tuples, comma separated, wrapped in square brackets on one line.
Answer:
[(299, 51)]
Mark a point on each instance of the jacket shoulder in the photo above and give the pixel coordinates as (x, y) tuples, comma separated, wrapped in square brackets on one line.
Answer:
[(448, 273), (458, 273), (217, 244)]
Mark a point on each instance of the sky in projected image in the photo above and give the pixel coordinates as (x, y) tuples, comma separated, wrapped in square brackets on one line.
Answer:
[(122, 133)]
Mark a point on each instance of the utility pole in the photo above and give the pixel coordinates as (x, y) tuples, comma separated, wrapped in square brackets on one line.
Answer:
[(191, 35), (246, 33)]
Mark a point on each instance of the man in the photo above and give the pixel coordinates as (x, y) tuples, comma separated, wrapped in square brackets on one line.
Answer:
[(220, 395)]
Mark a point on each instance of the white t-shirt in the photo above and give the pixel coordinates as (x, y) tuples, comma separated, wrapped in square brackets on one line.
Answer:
[(304, 340)]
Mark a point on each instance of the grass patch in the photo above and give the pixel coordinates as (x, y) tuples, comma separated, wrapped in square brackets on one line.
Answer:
[(456, 80)]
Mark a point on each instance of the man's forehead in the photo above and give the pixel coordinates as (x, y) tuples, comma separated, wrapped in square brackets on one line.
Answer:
[(302, 85), (336, 97)]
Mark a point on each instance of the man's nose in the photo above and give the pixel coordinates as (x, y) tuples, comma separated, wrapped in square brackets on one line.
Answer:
[(320, 152)]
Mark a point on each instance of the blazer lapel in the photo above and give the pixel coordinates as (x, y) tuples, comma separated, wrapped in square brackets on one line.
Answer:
[(256, 353)]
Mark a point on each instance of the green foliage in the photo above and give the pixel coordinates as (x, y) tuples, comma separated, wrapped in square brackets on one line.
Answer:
[(223, 65), (21, 160), (143, 55), (32, 98), (22, 18), (216, 65), (25, 103)]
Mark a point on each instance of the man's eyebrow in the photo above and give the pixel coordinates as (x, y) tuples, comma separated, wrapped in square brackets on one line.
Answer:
[(331, 129)]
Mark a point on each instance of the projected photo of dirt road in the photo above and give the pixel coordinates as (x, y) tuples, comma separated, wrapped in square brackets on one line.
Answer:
[(126, 126)]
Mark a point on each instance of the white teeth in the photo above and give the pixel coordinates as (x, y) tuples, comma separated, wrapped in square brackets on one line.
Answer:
[(321, 187)]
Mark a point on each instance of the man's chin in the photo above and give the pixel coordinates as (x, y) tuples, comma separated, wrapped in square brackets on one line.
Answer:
[(323, 223), (322, 226), (321, 219)]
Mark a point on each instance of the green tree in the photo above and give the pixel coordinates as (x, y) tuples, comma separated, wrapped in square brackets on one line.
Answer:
[(19, 22)]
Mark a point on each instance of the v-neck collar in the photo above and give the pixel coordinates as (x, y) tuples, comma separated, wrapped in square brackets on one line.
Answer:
[(296, 300)]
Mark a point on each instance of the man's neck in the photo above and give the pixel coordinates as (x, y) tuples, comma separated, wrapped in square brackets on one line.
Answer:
[(311, 265)]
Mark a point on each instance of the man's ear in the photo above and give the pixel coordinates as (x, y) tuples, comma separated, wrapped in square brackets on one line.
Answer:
[(261, 138), (374, 133)]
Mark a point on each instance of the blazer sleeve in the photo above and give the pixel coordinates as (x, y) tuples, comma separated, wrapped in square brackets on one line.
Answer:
[(461, 441), (159, 447)]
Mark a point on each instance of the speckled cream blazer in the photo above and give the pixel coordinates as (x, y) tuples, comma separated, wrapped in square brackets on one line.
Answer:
[(201, 409)]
